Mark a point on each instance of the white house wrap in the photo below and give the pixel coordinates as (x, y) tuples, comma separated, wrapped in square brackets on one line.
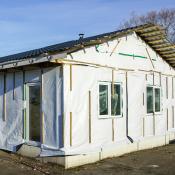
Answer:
[(84, 100)]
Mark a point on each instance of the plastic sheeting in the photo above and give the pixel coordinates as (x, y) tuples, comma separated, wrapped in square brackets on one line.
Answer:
[(11, 130), (58, 99)]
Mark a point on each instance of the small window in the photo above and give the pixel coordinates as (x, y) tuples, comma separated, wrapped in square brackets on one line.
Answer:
[(153, 99), (116, 100), (103, 99), (157, 99), (150, 100)]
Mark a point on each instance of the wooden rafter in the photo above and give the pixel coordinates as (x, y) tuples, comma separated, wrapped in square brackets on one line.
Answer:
[(165, 48)]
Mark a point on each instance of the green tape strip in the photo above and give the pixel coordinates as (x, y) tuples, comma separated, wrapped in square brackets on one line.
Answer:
[(132, 55)]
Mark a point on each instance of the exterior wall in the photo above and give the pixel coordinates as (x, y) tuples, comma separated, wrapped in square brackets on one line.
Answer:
[(13, 106), (146, 130)]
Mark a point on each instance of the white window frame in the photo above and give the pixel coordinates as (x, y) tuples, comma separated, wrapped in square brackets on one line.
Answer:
[(109, 103), (109, 84), (121, 101), (154, 87)]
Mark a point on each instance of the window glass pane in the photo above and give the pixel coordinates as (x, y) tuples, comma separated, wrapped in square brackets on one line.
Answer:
[(103, 99), (116, 100), (149, 99), (157, 100)]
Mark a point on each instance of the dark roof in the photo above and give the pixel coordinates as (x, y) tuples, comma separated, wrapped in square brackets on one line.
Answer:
[(148, 32)]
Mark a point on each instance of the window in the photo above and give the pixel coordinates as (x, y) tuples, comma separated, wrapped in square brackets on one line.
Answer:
[(149, 99), (153, 99), (103, 99), (110, 103), (116, 100), (157, 99)]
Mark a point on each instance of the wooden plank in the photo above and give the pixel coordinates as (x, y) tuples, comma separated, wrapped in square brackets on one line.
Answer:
[(112, 83), (156, 41), (90, 132), (154, 124), (160, 78), (41, 108), (113, 131), (166, 48), (151, 33), (70, 128), (113, 50), (24, 110), (4, 98), (172, 87), (153, 79), (63, 130), (143, 127), (150, 58), (167, 87), (14, 85), (42, 125), (172, 116), (167, 119), (70, 77)]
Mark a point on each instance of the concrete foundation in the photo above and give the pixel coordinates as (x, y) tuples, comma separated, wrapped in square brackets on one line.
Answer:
[(78, 160)]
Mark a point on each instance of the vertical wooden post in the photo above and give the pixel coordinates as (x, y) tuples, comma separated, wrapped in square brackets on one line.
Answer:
[(4, 98), (153, 79), (90, 139), (154, 124), (113, 129), (160, 78), (70, 77), (41, 110), (24, 109), (42, 127), (112, 83), (167, 87), (143, 127), (63, 122), (172, 87), (172, 116), (14, 85), (70, 128), (167, 119)]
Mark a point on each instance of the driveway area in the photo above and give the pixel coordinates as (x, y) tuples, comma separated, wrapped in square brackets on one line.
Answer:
[(157, 161)]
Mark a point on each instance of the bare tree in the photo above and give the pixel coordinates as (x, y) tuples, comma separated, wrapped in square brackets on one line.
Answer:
[(164, 17)]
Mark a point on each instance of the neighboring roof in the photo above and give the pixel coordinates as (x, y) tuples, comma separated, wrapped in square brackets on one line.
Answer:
[(152, 34)]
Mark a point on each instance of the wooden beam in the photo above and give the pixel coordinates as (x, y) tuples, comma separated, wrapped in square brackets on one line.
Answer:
[(165, 48), (143, 127), (167, 52), (169, 55), (112, 83), (156, 41), (90, 132), (147, 29), (171, 61), (167, 126), (150, 33), (153, 37), (70, 129), (70, 77), (4, 99), (150, 58), (113, 132), (172, 116)]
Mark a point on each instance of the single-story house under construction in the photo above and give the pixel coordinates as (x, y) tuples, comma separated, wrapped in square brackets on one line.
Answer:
[(84, 100)]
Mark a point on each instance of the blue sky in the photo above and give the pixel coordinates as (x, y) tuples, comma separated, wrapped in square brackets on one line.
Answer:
[(30, 24)]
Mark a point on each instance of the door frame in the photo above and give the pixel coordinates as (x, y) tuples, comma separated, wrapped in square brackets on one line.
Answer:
[(26, 114)]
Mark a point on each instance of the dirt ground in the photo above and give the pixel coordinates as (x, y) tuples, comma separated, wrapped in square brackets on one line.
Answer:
[(157, 161)]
